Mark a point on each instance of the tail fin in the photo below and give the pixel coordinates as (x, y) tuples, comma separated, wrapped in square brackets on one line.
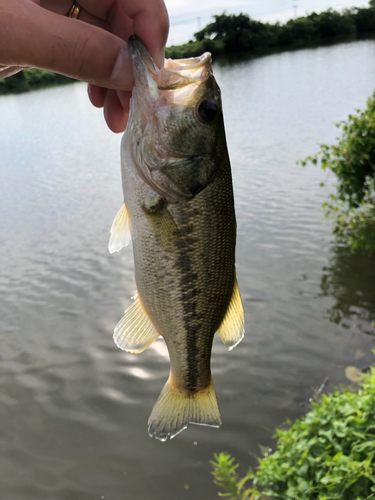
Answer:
[(176, 408)]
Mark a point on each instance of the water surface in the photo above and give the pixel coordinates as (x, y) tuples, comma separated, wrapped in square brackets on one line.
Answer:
[(73, 407)]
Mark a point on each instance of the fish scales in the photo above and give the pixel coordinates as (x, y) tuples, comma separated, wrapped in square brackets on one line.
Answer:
[(195, 278), (183, 230)]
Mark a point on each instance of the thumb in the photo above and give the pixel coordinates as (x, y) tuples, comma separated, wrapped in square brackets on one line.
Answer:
[(35, 37)]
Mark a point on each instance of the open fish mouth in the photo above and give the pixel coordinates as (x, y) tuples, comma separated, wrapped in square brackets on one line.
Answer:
[(177, 74)]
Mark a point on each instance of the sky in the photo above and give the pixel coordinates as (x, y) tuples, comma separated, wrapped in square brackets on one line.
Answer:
[(188, 16)]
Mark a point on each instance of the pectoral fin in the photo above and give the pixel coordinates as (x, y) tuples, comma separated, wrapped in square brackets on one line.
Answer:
[(120, 230), (135, 332), (166, 231), (232, 328)]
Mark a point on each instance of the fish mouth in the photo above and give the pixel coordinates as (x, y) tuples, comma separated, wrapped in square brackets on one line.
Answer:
[(139, 52), (144, 68), (176, 73)]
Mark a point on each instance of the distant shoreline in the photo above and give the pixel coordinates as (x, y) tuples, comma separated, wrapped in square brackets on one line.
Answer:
[(262, 52), (239, 36), (31, 79)]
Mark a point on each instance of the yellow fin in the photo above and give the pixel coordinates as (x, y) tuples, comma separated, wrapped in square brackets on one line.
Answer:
[(135, 332), (176, 408), (232, 328), (120, 230)]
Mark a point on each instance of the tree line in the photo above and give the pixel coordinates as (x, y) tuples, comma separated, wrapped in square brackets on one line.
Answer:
[(240, 33), (30, 79)]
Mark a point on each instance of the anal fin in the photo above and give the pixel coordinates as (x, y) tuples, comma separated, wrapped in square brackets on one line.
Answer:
[(232, 328), (120, 230), (135, 331)]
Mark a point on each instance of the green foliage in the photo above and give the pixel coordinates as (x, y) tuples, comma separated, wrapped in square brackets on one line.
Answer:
[(356, 227), (13, 84), (297, 30), (364, 19), (226, 477), (30, 79), (352, 160), (332, 23), (193, 49), (239, 33), (327, 455)]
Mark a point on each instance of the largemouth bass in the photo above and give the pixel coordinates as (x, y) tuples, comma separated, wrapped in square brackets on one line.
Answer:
[(179, 212)]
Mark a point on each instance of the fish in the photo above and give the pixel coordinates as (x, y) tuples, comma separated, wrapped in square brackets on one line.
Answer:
[(179, 212)]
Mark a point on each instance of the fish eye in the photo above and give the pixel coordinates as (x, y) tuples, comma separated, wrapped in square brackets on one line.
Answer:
[(208, 110)]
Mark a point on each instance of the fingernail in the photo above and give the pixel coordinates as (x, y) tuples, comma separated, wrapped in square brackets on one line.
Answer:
[(159, 58), (122, 73)]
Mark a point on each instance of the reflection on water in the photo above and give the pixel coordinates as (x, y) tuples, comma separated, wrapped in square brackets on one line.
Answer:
[(349, 278)]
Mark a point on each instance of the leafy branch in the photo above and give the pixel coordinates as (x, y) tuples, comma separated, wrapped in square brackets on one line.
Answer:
[(352, 161), (227, 478)]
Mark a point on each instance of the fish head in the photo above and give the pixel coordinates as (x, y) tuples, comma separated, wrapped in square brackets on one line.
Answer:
[(175, 131)]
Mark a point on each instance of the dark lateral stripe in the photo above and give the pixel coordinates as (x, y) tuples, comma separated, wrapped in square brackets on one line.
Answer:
[(192, 322)]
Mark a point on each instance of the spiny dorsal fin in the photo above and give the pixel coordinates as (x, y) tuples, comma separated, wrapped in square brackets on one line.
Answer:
[(120, 230), (232, 328), (135, 332)]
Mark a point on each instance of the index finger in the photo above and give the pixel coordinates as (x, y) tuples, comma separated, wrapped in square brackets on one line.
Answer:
[(150, 23)]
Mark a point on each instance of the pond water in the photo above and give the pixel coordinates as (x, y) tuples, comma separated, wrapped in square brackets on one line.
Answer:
[(73, 407)]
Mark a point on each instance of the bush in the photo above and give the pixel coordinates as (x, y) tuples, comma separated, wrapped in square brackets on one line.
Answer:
[(297, 30), (357, 227), (14, 84), (327, 455), (352, 160), (364, 20), (332, 23)]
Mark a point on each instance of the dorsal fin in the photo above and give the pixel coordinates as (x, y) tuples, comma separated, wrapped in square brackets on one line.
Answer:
[(120, 230), (135, 331), (232, 328)]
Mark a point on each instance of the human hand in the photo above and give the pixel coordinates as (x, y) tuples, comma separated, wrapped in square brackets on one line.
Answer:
[(37, 33)]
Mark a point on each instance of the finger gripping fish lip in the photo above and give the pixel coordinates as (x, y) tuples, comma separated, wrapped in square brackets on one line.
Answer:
[(175, 74)]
